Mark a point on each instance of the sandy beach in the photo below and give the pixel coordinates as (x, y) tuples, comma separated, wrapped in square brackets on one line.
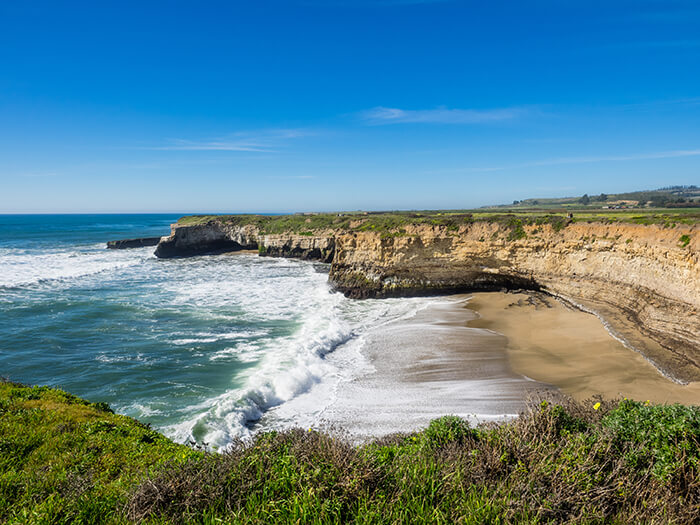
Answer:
[(552, 342), (483, 356)]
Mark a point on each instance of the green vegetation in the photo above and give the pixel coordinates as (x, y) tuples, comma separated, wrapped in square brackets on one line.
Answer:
[(64, 460), (396, 224), (517, 231), (667, 207), (684, 240), (669, 197)]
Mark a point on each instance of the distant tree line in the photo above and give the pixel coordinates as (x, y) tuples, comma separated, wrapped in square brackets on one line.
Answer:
[(596, 198)]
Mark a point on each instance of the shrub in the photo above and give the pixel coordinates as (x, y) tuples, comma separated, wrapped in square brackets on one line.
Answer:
[(63, 460), (446, 430)]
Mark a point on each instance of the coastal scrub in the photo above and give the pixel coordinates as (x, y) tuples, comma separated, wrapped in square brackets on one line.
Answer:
[(65, 460)]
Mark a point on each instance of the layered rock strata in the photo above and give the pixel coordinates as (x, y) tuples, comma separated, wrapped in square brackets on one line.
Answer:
[(124, 244), (645, 275)]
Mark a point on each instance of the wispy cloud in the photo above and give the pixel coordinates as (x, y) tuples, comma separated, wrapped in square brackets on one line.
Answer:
[(586, 160), (383, 115), (265, 141)]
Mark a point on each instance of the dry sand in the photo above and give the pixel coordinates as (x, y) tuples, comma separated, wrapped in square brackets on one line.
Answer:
[(551, 342)]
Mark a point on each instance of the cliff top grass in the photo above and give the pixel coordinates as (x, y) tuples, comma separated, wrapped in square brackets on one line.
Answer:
[(451, 219), (65, 460)]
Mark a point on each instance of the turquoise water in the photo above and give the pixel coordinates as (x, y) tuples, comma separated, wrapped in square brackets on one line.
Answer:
[(208, 348)]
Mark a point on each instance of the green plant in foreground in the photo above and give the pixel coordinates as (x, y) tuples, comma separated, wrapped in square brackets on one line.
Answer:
[(684, 240), (64, 460)]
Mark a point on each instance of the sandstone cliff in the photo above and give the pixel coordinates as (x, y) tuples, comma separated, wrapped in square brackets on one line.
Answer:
[(218, 236), (627, 274), (124, 244)]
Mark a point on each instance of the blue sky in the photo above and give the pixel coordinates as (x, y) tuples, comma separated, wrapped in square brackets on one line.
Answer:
[(299, 105)]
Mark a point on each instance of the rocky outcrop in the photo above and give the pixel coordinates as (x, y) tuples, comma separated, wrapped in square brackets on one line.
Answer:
[(319, 247), (628, 274), (133, 243), (217, 236)]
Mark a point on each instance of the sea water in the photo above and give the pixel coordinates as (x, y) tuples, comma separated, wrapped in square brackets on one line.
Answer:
[(206, 349)]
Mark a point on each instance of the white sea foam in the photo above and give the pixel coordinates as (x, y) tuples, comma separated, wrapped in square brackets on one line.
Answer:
[(243, 352), (288, 367), (141, 410), (210, 337), (249, 343), (122, 358), (292, 381), (26, 267)]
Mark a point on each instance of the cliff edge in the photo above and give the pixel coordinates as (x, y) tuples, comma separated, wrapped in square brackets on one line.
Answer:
[(644, 276)]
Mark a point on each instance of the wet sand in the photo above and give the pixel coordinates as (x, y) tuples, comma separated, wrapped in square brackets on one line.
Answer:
[(428, 366), (552, 342), (483, 357)]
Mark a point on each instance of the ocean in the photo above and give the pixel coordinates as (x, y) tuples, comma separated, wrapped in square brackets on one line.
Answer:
[(207, 349)]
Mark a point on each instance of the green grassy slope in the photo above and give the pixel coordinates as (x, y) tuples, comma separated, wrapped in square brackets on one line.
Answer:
[(63, 460)]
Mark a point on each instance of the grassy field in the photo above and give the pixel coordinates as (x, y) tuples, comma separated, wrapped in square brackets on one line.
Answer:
[(674, 196), (388, 222), (64, 460)]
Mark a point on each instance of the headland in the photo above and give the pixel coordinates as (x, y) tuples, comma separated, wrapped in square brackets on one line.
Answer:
[(637, 271)]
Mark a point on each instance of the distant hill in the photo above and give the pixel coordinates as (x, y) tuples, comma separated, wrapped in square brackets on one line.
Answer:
[(668, 197)]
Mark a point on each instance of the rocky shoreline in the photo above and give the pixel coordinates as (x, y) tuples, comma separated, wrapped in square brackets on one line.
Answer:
[(636, 273), (124, 244)]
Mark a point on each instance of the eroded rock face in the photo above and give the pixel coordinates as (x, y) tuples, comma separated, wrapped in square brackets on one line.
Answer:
[(196, 240), (619, 271), (124, 244), (220, 236), (311, 248), (641, 274)]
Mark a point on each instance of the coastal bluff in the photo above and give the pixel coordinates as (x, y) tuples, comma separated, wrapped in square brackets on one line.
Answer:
[(644, 275)]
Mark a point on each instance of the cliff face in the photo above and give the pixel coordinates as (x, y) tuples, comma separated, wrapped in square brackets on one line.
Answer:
[(625, 273), (203, 238), (220, 236), (319, 246), (125, 244), (622, 272)]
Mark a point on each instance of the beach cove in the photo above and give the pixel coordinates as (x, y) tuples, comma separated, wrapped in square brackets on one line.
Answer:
[(488, 356), (218, 347)]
